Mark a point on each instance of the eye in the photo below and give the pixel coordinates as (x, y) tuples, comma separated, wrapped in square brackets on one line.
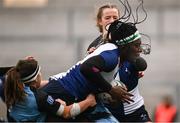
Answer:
[(115, 18), (138, 45), (107, 18)]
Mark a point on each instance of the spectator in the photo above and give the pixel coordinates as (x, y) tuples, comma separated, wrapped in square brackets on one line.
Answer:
[(166, 111)]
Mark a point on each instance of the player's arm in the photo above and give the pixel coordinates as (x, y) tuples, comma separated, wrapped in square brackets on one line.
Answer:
[(77, 108), (57, 107), (91, 69), (140, 65)]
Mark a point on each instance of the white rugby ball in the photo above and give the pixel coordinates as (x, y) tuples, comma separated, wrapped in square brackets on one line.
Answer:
[(117, 83)]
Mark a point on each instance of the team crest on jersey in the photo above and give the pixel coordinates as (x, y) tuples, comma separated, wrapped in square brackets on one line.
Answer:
[(127, 71), (50, 100)]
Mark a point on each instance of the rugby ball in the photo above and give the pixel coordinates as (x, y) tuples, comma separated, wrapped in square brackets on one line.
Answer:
[(117, 83)]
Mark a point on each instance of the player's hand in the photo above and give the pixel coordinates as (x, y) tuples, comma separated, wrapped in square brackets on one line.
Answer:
[(29, 57), (91, 50), (61, 102), (91, 99), (140, 74), (120, 93)]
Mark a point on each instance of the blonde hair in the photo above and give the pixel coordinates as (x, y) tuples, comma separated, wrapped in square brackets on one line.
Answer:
[(100, 12)]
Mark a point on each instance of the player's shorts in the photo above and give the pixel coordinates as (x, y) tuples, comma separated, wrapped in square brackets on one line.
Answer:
[(140, 115)]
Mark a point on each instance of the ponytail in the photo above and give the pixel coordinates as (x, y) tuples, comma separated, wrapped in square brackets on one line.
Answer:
[(14, 89)]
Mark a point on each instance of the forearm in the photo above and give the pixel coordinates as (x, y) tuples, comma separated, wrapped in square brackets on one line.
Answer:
[(77, 108), (85, 104), (58, 107)]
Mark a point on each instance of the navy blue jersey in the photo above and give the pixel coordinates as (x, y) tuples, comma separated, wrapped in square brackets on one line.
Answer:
[(128, 75), (77, 85)]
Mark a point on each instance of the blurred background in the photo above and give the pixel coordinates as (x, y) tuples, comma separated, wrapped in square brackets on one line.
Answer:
[(57, 33)]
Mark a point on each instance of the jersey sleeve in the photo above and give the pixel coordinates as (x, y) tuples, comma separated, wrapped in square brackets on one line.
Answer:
[(110, 59)]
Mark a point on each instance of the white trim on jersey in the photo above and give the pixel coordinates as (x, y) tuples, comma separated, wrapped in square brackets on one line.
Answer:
[(57, 76), (138, 101), (104, 47)]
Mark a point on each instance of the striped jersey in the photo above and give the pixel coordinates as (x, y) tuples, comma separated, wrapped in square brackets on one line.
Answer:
[(129, 76)]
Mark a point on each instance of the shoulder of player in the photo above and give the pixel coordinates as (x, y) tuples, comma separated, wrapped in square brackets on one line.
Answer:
[(107, 46)]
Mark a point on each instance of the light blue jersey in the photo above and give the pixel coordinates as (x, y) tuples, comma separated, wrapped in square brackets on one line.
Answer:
[(27, 110)]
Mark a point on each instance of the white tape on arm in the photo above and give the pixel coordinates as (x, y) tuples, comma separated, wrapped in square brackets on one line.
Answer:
[(60, 110), (75, 110)]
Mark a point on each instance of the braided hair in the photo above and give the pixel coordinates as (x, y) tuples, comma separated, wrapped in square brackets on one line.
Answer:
[(122, 33)]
